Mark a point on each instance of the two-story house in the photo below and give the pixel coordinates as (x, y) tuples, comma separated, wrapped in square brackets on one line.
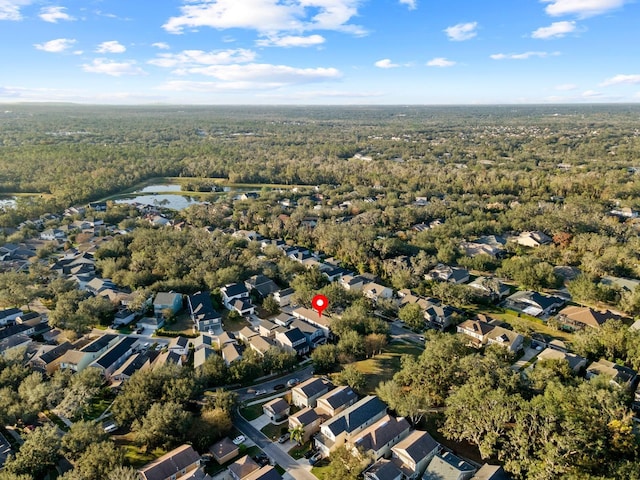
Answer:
[(376, 440), (232, 292), (413, 453), (203, 315), (179, 463), (293, 340), (307, 393), (336, 400), (308, 419), (167, 301)]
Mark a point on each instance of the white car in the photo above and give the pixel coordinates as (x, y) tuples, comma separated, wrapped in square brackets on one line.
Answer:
[(239, 439)]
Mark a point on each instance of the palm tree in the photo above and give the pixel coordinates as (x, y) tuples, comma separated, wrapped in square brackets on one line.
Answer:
[(297, 434)]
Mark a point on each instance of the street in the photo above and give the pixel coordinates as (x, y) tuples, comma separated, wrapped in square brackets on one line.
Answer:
[(274, 452), (398, 331), (301, 375)]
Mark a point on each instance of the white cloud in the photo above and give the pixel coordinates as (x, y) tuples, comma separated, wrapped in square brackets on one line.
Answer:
[(209, 87), (591, 94), (10, 9), (522, 56), (412, 4), (55, 46), (200, 57), (115, 69), (264, 73), (268, 16), (462, 31), (565, 87), (314, 94), (581, 8), (53, 14), (112, 46), (440, 62), (621, 79), (292, 41), (386, 63), (555, 30), (161, 45)]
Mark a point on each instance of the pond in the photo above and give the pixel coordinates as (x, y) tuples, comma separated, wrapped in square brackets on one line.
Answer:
[(7, 202), (174, 202), (160, 188)]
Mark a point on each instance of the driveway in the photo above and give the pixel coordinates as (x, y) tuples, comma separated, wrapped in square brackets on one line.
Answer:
[(297, 471), (529, 353)]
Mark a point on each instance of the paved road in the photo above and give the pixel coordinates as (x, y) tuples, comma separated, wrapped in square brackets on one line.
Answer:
[(398, 331), (268, 385), (274, 452)]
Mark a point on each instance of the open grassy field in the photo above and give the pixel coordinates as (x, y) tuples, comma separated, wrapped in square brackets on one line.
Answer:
[(382, 367)]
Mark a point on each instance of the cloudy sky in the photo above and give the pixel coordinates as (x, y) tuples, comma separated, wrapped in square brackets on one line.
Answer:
[(320, 51)]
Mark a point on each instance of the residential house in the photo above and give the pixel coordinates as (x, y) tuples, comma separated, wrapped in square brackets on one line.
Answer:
[(376, 440), (260, 345), (224, 451), (9, 315), (483, 333), (624, 284), (268, 329), (333, 272), (53, 234), (151, 323), (576, 362), (46, 359), (242, 467), (413, 453), (532, 239), (307, 393), (261, 284), (336, 400), (179, 345), (490, 287), (314, 334), (445, 273), (203, 341), (137, 361), (534, 303), (353, 283), (246, 333), (277, 409), (308, 419), (243, 306), (115, 356), (347, 424), (383, 470), (203, 315), (619, 375), (575, 317), (491, 472), (5, 450), (231, 352), (264, 473), (14, 342), (232, 292), (79, 359), (15, 330), (179, 463), (167, 301), (284, 296), (293, 340), (439, 316), (375, 291), (283, 319), (447, 466), (200, 356), (314, 318), (223, 339)]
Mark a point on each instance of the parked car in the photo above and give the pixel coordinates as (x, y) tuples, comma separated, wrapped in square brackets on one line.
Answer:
[(260, 392), (262, 459), (239, 439), (309, 454), (279, 386), (293, 382), (283, 438), (315, 458)]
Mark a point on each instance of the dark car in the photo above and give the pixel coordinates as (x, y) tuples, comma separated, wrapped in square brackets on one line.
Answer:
[(315, 458), (279, 386), (261, 459), (309, 454)]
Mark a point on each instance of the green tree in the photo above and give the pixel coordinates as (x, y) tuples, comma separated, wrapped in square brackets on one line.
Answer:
[(353, 377), (98, 460), (412, 315), (271, 306), (123, 473), (165, 424), (209, 427), (406, 402), (38, 453), (297, 434), (81, 434), (325, 358)]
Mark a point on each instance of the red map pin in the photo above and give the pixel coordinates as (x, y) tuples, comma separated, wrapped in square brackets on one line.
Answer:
[(319, 303)]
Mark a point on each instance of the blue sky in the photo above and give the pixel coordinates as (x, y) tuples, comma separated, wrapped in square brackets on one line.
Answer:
[(320, 51)]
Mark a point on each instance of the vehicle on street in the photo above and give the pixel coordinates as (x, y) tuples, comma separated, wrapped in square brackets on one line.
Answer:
[(293, 382), (279, 386), (262, 459), (315, 458), (283, 438), (239, 439), (260, 392)]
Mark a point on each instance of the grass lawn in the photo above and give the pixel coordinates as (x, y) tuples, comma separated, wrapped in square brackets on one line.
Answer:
[(135, 455), (182, 324), (272, 431), (382, 367), (322, 470), (298, 451), (98, 405), (251, 412), (56, 419), (233, 325)]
